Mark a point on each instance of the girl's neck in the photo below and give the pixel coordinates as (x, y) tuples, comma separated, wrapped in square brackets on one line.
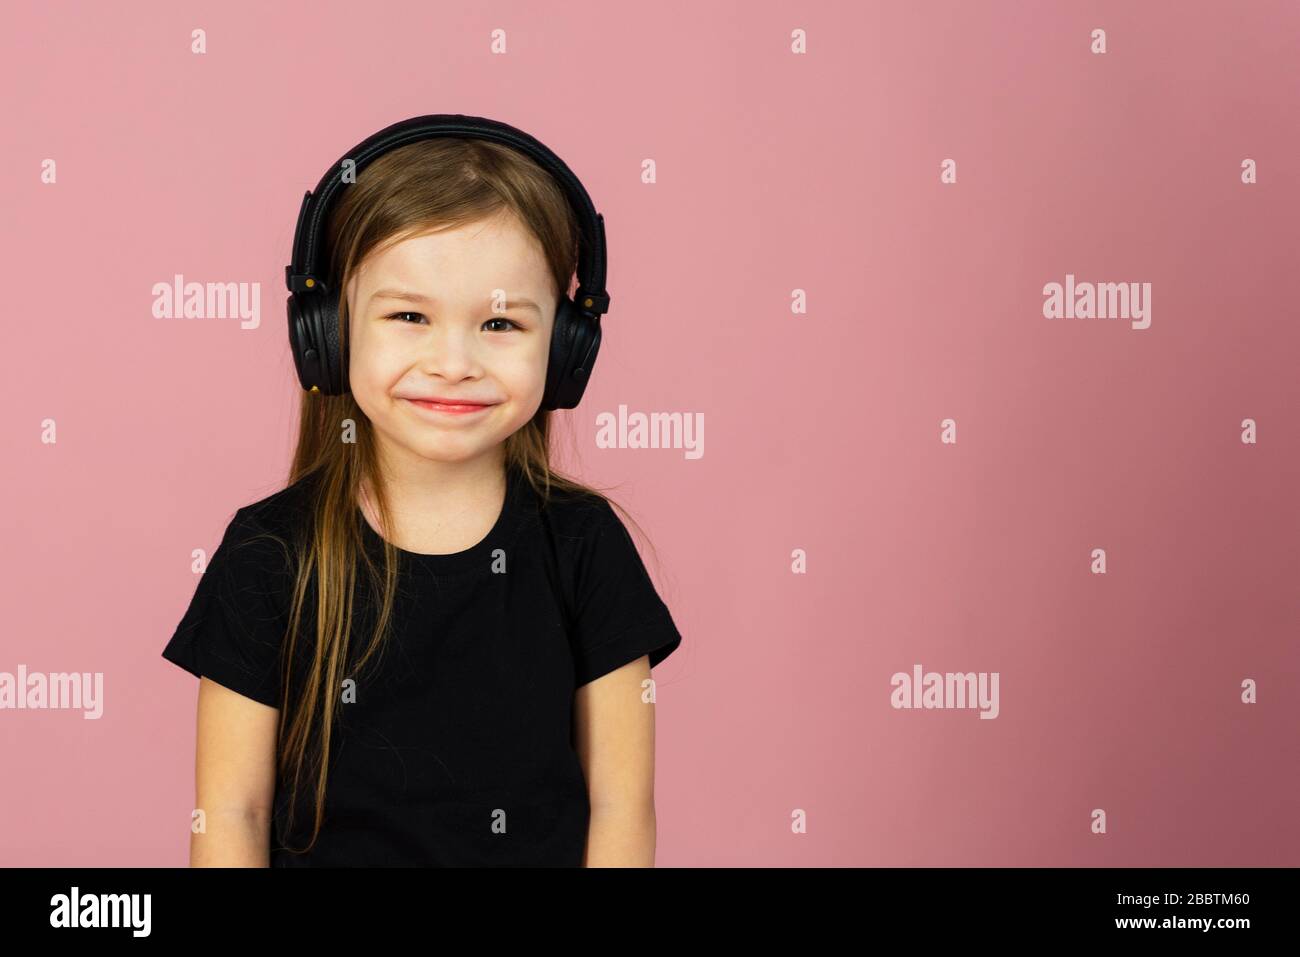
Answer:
[(443, 512)]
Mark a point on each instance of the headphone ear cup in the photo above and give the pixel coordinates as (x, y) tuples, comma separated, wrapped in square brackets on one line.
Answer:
[(306, 352), (575, 341), (314, 342)]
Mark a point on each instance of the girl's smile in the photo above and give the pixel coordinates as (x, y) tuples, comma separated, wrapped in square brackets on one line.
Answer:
[(457, 410)]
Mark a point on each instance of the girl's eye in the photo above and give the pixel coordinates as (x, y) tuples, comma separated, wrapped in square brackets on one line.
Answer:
[(419, 317)]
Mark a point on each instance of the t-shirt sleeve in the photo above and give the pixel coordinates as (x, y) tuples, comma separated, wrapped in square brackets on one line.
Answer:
[(234, 627), (619, 615)]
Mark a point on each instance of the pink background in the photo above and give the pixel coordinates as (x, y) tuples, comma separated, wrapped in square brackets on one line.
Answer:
[(776, 172)]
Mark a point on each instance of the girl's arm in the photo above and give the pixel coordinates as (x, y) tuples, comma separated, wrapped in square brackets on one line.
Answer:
[(614, 736), (234, 779)]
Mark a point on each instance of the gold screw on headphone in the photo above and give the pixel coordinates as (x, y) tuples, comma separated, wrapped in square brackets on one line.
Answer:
[(311, 282)]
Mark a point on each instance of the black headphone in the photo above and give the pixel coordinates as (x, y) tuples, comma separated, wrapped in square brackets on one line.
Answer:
[(313, 303)]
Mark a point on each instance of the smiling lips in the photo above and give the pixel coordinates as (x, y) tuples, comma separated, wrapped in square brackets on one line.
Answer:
[(450, 406)]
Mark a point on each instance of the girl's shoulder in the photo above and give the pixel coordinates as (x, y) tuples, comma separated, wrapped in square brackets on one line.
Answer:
[(263, 540), (572, 513), (233, 629), (284, 512)]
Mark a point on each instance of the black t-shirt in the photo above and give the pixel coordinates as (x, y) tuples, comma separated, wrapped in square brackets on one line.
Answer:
[(458, 748)]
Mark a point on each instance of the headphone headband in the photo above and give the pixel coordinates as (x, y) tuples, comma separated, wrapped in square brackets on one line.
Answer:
[(591, 298)]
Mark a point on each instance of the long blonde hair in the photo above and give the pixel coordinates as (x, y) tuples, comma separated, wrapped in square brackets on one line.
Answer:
[(434, 183)]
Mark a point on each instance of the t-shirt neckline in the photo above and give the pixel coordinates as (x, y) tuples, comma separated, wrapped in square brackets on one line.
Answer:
[(476, 556)]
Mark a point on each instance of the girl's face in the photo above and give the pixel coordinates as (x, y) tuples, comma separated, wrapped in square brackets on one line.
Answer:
[(447, 315)]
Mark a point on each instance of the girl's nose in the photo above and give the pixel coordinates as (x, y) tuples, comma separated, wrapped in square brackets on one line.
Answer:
[(451, 353)]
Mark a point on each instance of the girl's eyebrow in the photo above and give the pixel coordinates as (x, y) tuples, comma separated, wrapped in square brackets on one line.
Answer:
[(524, 304), (398, 294), (416, 297)]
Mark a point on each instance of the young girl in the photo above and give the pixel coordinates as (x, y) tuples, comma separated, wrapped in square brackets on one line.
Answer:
[(430, 648)]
